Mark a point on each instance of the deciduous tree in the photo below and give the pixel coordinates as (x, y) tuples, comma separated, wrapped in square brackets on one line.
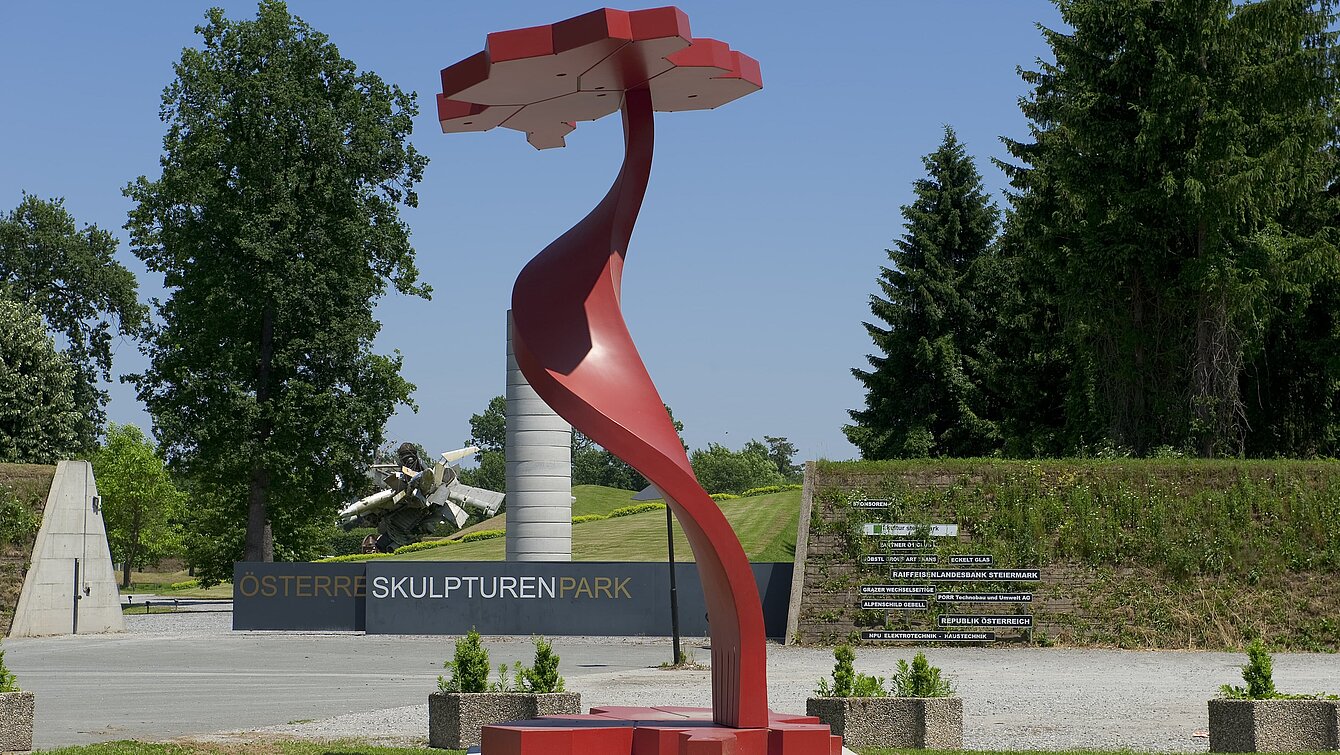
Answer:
[(141, 505), (39, 421), (275, 223), (68, 274)]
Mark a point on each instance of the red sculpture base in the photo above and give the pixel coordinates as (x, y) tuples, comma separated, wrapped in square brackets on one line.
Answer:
[(658, 731)]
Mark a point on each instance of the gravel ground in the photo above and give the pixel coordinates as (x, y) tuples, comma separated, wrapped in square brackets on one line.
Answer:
[(1014, 698)]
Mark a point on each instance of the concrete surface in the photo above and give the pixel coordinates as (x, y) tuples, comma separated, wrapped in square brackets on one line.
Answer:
[(189, 674), (70, 530)]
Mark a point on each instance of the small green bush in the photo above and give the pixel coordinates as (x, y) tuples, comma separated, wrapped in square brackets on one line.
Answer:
[(18, 521), (341, 543), (921, 679), (588, 518), (8, 682), (846, 681), (509, 679), (482, 535), (352, 558), (640, 508), (469, 668), (543, 676), (1257, 674), (724, 497), (422, 546), (769, 489), (189, 584)]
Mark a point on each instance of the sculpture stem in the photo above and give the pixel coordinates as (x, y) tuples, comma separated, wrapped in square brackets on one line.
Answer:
[(573, 346)]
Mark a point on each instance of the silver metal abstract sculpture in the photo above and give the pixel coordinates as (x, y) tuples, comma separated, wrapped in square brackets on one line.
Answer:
[(416, 499)]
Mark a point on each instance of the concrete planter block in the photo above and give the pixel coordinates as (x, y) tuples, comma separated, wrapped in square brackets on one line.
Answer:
[(1274, 725), (922, 722), (16, 721), (455, 719)]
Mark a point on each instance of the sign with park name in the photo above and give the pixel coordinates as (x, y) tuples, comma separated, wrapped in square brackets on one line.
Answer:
[(871, 503), (966, 575), (903, 545), (984, 597), (886, 604), (897, 589), (878, 529), (990, 620), (897, 636), (971, 560)]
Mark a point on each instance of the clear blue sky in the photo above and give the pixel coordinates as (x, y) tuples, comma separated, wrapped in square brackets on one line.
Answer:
[(759, 242)]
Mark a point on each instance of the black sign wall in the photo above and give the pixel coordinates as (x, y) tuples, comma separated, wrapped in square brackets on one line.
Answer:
[(451, 597)]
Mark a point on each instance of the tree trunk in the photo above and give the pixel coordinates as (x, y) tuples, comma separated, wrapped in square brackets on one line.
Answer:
[(260, 540)]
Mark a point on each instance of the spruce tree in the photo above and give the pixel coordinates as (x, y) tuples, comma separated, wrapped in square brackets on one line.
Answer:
[(1169, 142), (925, 391)]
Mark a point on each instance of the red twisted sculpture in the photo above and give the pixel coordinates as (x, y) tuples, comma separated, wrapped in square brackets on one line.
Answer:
[(569, 334)]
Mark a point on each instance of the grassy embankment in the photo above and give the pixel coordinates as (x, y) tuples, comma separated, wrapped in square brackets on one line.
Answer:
[(765, 524), (23, 495)]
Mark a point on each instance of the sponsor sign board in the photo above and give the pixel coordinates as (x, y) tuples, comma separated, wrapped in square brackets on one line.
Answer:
[(907, 530), (495, 597), (893, 604), (870, 503), (903, 545), (914, 558), (897, 589), (967, 575), (929, 636), (984, 597), (971, 560), (994, 620)]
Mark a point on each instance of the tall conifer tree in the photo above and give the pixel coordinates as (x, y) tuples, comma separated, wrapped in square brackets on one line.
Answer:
[(924, 393), (1169, 140)]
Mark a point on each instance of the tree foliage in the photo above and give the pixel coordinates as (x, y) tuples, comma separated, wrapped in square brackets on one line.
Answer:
[(40, 422), (488, 431), (141, 505), (69, 276), (925, 392), (721, 470), (1174, 145), (275, 223)]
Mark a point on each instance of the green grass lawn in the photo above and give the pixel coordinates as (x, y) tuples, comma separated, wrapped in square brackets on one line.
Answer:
[(766, 525)]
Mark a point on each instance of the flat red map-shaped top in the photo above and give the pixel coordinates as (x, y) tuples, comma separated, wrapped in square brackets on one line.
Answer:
[(543, 79)]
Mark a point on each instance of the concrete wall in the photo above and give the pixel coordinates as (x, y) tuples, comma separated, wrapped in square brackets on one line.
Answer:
[(70, 530), (539, 472)]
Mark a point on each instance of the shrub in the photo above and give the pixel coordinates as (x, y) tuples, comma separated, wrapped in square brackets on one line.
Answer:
[(921, 679), (422, 546), (469, 668), (640, 508), (189, 584), (341, 543), (352, 558), (724, 496), (1257, 674), (482, 535), (18, 522), (588, 518), (509, 680), (769, 489), (8, 682), (543, 676), (848, 683)]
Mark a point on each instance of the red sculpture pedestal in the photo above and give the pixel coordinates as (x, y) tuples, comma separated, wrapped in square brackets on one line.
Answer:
[(658, 731)]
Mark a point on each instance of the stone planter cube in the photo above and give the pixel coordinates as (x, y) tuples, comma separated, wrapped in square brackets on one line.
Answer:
[(16, 721), (922, 722), (1274, 725), (455, 719)]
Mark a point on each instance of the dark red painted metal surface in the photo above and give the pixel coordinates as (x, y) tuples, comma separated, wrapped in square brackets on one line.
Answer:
[(570, 338)]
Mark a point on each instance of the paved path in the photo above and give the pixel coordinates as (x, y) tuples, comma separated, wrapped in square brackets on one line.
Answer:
[(187, 674)]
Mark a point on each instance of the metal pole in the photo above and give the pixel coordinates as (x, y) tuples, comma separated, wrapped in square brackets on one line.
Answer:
[(75, 611), (674, 594)]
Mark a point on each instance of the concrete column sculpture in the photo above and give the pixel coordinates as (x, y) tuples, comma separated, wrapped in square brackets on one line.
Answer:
[(539, 472)]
